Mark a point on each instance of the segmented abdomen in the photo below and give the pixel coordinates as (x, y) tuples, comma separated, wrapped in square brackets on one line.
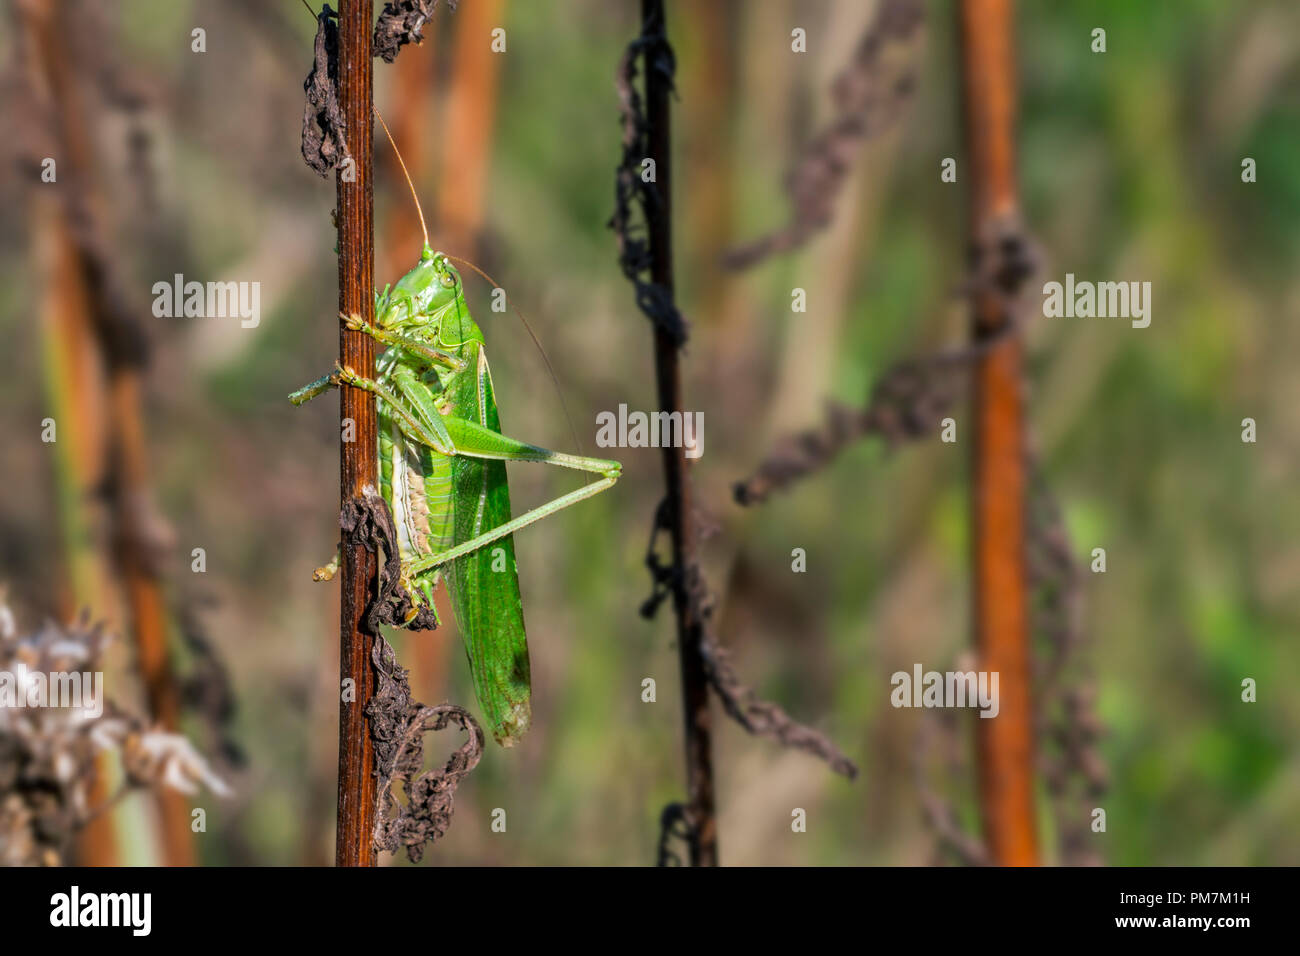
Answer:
[(416, 482)]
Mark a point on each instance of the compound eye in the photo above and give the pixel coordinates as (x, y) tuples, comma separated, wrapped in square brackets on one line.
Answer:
[(448, 280)]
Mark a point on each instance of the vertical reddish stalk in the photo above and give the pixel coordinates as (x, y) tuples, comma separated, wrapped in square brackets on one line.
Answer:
[(358, 466), (1005, 744), (144, 594), (695, 687)]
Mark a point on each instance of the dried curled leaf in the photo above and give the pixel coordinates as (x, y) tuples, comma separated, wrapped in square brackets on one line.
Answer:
[(759, 717), (674, 825), (630, 189), (402, 22), (366, 520), (911, 398), (869, 96), (324, 145), (398, 726)]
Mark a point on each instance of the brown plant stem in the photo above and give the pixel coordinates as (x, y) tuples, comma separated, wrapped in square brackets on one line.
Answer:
[(71, 390), (358, 465), (1004, 745), (677, 503), (145, 601)]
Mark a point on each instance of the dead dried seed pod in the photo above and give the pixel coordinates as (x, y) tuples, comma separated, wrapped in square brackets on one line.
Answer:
[(48, 753)]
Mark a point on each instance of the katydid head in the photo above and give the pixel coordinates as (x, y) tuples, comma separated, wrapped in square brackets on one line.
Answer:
[(423, 294)]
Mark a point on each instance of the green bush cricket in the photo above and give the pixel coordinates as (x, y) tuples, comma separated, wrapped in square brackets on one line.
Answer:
[(442, 473)]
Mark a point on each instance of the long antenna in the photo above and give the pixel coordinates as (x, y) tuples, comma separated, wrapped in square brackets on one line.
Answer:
[(398, 153), (550, 369)]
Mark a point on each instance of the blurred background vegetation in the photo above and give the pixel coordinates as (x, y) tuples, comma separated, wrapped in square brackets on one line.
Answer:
[(1130, 170)]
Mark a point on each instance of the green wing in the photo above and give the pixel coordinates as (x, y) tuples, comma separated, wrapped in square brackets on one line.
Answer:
[(489, 610)]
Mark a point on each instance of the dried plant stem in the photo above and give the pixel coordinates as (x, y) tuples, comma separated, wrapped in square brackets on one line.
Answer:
[(77, 459), (358, 465), (1005, 746), (149, 618), (677, 503)]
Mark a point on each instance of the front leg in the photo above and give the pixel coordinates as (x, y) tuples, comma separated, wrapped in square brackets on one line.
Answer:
[(316, 388), (426, 430), (388, 337)]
